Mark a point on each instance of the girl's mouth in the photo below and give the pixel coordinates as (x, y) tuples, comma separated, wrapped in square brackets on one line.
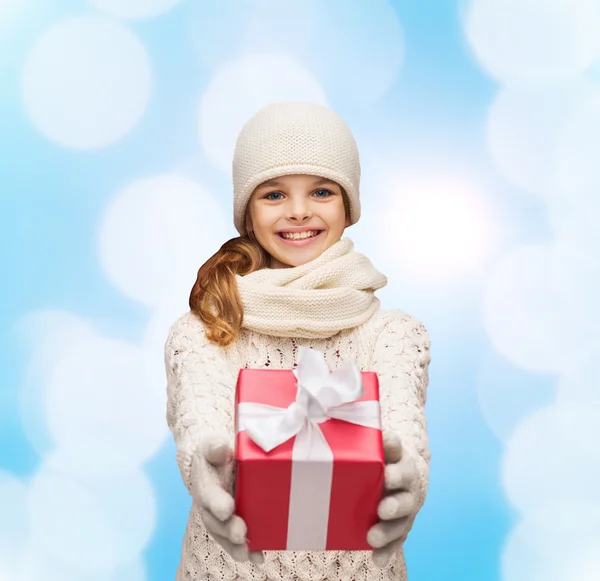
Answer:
[(300, 238)]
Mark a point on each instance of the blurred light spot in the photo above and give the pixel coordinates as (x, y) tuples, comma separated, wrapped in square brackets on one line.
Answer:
[(580, 384), (524, 127), (91, 525), (547, 459), (135, 8), (435, 229), (217, 31), (355, 53), (243, 87), (39, 567), (578, 147), (134, 571), (155, 235), (574, 220), (533, 40), (582, 417), (8, 8), (540, 305), (102, 408), (86, 82), (554, 542), (69, 523), (587, 565), (507, 395), (46, 334), (14, 520)]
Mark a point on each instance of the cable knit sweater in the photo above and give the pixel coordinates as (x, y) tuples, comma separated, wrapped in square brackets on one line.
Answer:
[(201, 379)]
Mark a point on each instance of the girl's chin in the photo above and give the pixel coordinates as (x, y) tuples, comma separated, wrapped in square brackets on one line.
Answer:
[(296, 256)]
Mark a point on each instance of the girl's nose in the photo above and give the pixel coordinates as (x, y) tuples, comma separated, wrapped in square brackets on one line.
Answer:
[(299, 210)]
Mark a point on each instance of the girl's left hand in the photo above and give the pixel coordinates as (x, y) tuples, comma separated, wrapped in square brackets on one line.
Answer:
[(398, 508)]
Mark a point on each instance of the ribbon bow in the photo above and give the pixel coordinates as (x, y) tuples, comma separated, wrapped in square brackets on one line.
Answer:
[(321, 395)]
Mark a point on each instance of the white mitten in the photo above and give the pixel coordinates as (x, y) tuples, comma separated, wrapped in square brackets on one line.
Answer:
[(398, 508), (212, 468)]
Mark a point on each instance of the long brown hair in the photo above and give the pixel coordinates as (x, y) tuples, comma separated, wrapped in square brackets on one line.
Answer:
[(215, 298)]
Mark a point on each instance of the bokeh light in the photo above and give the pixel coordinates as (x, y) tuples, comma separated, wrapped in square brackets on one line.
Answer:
[(507, 394), (525, 129), (90, 525), (327, 37), (47, 334), (99, 407), (435, 229), (519, 41), (552, 542), (543, 454), (155, 234), (540, 305), (86, 82), (135, 8), (240, 89)]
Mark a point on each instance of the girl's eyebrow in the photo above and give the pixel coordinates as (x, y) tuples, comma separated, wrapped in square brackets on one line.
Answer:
[(270, 183), (324, 181)]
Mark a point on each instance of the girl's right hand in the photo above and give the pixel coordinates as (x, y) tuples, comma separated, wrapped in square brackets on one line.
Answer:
[(211, 469)]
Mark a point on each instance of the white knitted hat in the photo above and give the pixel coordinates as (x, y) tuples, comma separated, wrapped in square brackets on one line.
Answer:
[(294, 138)]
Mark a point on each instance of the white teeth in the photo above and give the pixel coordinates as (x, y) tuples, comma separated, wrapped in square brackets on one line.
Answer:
[(299, 235)]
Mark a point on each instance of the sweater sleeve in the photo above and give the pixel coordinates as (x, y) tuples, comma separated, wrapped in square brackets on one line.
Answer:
[(200, 390), (401, 360)]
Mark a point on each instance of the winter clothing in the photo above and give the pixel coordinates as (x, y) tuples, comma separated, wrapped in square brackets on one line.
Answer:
[(211, 479), (335, 291), (399, 507), (200, 391)]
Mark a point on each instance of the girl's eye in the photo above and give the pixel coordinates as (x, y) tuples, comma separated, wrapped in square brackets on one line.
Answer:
[(268, 196), (319, 194), (326, 192)]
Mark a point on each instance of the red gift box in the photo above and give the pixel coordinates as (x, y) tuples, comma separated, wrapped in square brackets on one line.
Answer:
[(318, 490)]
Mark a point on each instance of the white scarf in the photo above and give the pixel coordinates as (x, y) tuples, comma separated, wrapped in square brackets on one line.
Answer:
[(335, 291)]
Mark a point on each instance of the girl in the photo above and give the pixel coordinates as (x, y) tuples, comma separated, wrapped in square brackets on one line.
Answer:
[(291, 280)]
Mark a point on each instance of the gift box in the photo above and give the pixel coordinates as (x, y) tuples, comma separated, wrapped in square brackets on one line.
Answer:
[(309, 455)]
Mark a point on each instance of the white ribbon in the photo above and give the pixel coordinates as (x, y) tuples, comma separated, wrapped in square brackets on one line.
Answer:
[(321, 396)]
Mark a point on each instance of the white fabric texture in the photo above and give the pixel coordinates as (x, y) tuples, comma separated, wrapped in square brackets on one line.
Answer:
[(333, 292), (288, 138), (201, 380)]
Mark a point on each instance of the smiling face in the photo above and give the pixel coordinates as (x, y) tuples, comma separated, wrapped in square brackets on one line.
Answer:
[(295, 218)]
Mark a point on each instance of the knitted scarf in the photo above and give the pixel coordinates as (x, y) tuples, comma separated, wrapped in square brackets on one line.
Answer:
[(335, 291)]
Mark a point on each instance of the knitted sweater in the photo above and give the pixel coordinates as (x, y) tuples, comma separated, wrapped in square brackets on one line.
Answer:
[(201, 379)]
